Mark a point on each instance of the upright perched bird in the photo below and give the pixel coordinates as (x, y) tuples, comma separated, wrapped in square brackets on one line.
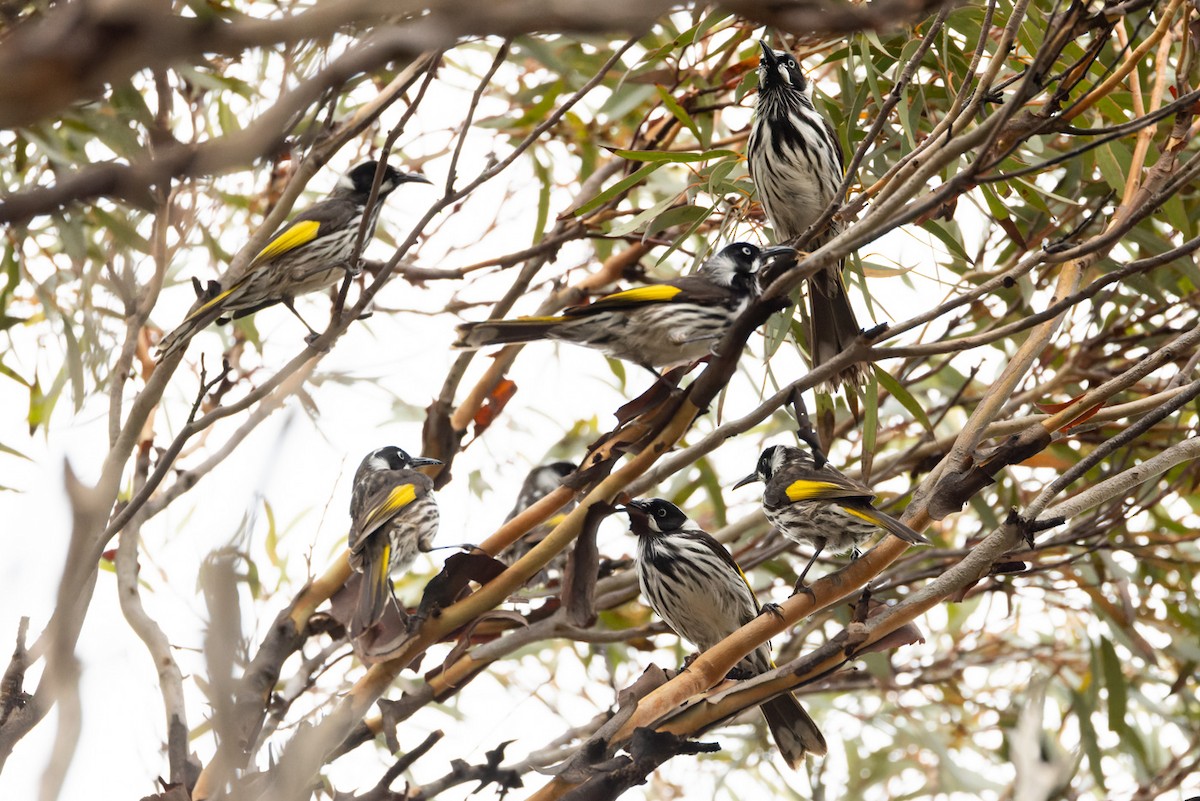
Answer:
[(694, 585), (308, 254), (796, 162), (393, 516), (825, 508), (541, 481), (661, 325)]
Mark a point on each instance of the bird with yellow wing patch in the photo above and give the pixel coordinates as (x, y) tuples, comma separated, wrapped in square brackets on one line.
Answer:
[(676, 322), (393, 518), (822, 507), (309, 254)]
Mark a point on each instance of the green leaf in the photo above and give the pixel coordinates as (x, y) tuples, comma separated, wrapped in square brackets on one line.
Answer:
[(1110, 167), (618, 369), (1084, 701), (712, 485), (717, 183), (949, 236), (903, 396), (249, 328), (74, 364), (777, 328), (624, 100), (620, 186), (39, 405), (11, 273), (995, 205), (1178, 216), (271, 542), (678, 111), (13, 374), (122, 230), (14, 452), (670, 157), (870, 426), (1114, 681), (543, 210), (643, 217), (679, 215)]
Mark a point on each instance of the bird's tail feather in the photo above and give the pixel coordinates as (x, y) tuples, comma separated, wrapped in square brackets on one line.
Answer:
[(890, 524), (794, 732), (834, 326), (504, 332), (376, 589), (179, 336)]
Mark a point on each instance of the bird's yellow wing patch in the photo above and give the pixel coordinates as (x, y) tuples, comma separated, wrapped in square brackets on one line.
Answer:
[(527, 320), (216, 300), (396, 499), (299, 234), (850, 510), (657, 293), (385, 563), (808, 490)]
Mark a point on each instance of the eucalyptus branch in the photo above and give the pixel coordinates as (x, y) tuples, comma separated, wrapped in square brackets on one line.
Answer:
[(170, 677), (1109, 446), (1001, 332)]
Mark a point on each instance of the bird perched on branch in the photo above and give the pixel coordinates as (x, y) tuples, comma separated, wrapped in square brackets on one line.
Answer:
[(660, 325), (693, 584), (393, 517), (796, 163), (824, 508), (541, 481), (308, 254)]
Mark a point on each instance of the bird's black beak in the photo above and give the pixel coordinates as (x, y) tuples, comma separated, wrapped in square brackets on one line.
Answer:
[(768, 55), (780, 257), (636, 509), (639, 518), (750, 479), (414, 178), (423, 461)]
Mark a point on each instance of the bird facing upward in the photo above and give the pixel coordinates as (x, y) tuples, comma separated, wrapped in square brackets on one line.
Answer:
[(796, 163)]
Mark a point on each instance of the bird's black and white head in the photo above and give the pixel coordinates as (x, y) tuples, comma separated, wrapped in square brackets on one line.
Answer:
[(391, 458), (544, 479), (733, 266), (737, 266), (358, 182), (774, 459), (779, 73), (650, 517)]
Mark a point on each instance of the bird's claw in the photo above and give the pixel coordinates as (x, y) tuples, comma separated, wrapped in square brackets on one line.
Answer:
[(801, 587), (413, 622), (773, 608), (874, 331)]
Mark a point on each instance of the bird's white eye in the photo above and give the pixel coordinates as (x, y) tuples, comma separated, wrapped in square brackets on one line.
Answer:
[(661, 512), (791, 64), (746, 251)]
